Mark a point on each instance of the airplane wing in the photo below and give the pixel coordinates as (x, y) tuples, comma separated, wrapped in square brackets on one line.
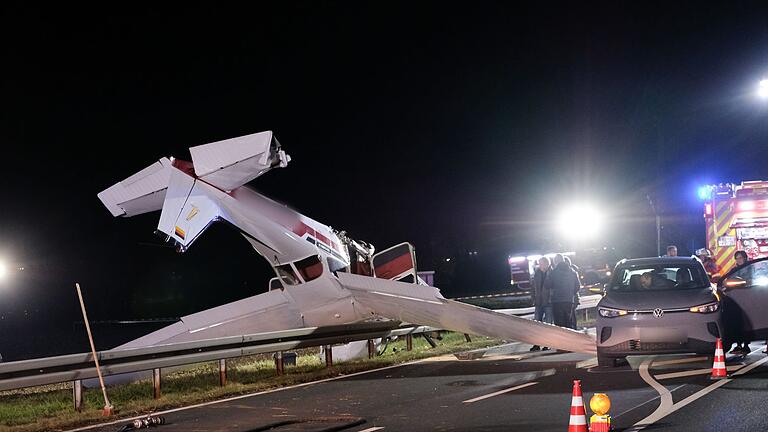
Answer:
[(424, 305), (270, 311)]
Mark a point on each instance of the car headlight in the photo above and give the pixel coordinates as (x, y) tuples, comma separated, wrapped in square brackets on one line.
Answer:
[(706, 308), (611, 313)]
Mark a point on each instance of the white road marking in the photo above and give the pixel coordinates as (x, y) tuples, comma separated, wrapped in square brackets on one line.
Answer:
[(479, 398), (647, 402), (129, 419), (659, 414), (372, 429), (678, 361), (586, 364), (664, 394), (694, 372)]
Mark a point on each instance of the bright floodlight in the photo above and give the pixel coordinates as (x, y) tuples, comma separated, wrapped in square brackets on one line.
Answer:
[(762, 89), (3, 270), (580, 221)]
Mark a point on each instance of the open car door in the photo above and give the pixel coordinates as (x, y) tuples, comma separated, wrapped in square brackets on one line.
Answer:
[(746, 299), (397, 263)]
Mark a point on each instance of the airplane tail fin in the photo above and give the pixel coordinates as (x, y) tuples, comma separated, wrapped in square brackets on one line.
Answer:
[(189, 208), (188, 193)]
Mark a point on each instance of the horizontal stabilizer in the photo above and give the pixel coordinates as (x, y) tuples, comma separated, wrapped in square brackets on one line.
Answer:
[(232, 163), (140, 193)]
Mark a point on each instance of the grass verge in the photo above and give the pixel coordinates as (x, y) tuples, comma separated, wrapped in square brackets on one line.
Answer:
[(50, 407)]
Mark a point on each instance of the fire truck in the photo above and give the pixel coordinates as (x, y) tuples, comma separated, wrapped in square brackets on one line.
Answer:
[(736, 218)]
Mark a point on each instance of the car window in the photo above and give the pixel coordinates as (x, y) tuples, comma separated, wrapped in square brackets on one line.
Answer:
[(756, 274), (657, 278)]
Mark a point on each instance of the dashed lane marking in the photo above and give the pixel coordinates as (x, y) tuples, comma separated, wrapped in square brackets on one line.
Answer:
[(678, 361), (479, 398), (694, 372)]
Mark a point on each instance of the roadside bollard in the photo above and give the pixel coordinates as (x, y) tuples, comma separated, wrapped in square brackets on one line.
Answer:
[(600, 404)]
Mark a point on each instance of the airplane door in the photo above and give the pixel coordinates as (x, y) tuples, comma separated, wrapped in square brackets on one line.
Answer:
[(396, 263), (746, 299)]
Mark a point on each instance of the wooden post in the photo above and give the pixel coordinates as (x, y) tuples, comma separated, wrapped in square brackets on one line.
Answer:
[(328, 356), (279, 367), (409, 342), (108, 408), (371, 349), (222, 372), (466, 336), (77, 394), (156, 381)]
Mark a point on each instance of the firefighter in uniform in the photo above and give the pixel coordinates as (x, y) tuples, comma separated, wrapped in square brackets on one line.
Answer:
[(710, 266)]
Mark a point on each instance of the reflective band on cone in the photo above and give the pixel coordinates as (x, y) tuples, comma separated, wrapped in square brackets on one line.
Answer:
[(578, 420), (718, 367)]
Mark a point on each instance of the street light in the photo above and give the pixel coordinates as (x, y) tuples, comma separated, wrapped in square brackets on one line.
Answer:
[(580, 221), (762, 89)]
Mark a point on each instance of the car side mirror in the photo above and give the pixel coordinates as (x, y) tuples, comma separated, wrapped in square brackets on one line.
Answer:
[(734, 282)]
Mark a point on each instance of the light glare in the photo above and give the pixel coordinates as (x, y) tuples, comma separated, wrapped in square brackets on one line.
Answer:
[(580, 221), (762, 89), (3, 270)]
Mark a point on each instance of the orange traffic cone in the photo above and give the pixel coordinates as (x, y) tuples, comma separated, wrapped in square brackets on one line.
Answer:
[(718, 367), (578, 421)]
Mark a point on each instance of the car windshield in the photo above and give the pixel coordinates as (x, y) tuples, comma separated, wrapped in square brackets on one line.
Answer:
[(657, 278)]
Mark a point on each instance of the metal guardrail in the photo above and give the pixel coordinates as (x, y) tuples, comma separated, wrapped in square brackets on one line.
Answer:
[(75, 367), (585, 302), (78, 367)]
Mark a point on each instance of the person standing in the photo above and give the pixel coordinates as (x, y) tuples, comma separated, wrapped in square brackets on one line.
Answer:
[(563, 284), (742, 347), (575, 303), (541, 295), (710, 266), (671, 251)]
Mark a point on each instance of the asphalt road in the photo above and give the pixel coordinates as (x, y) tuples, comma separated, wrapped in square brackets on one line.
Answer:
[(508, 389)]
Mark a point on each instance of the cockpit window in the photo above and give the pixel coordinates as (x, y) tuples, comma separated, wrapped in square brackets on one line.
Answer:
[(310, 268), (287, 275)]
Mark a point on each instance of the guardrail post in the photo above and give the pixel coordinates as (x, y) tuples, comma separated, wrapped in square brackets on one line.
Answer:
[(222, 372), (328, 356), (466, 336), (77, 394), (409, 342), (371, 349), (279, 367), (156, 382)]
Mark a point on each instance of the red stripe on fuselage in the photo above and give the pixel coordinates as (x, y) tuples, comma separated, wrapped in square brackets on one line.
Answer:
[(301, 228)]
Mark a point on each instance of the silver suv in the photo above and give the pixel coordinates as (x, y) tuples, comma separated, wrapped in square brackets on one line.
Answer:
[(657, 306)]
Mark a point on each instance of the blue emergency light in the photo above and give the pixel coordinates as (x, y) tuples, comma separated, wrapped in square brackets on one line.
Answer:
[(704, 192)]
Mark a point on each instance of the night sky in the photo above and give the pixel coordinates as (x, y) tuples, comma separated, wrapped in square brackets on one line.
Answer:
[(458, 127)]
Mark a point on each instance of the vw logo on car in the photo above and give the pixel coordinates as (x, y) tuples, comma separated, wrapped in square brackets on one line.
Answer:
[(658, 312)]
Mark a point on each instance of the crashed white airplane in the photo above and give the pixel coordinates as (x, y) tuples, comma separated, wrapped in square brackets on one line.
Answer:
[(323, 277)]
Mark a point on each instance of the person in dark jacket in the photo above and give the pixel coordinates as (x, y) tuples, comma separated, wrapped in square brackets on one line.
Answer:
[(563, 284), (575, 303), (542, 306)]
